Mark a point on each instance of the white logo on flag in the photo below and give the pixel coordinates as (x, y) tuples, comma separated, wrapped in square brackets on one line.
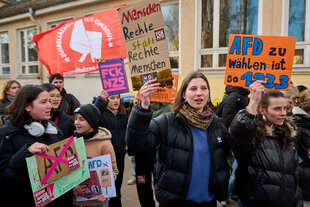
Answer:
[(85, 42)]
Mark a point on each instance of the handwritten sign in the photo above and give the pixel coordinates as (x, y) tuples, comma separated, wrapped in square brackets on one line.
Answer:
[(101, 180), (146, 43), (113, 76), (58, 161), (45, 193), (253, 57), (165, 94)]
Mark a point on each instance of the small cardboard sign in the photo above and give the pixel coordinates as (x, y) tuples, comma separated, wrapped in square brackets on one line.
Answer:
[(45, 193), (91, 187), (167, 93), (101, 169), (146, 42), (58, 161), (254, 57), (113, 77)]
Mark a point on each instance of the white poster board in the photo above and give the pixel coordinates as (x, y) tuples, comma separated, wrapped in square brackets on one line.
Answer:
[(101, 179)]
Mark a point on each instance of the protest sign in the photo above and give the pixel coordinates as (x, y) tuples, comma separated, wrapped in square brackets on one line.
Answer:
[(58, 161), (253, 57), (146, 43), (74, 46), (113, 77), (45, 193), (101, 180), (165, 94)]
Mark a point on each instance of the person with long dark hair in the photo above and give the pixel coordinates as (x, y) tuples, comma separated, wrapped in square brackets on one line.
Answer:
[(191, 166), (262, 138), (28, 131)]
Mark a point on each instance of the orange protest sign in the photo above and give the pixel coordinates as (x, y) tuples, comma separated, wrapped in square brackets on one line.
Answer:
[(254, 57), (167, 93)]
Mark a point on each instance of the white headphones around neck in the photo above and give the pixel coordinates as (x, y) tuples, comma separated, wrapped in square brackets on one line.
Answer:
[(36, 129)]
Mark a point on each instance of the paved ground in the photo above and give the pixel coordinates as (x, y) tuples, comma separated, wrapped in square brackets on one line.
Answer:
[(129, 192)]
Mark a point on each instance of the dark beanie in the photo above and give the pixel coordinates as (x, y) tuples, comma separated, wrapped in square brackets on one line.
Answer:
[(91, 113)]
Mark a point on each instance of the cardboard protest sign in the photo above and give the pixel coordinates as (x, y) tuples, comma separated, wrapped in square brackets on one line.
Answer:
[(165, 94), (58, 161), (253, 57), (113, 77), (45, 193), (74, 46), (146, 43), (101, 169)]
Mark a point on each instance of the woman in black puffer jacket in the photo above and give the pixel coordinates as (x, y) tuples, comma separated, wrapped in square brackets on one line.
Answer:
[(263, 142), (191, 167), (301, 118)]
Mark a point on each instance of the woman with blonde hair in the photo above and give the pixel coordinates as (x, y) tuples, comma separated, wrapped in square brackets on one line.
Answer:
[(301, 117), (10, 88)]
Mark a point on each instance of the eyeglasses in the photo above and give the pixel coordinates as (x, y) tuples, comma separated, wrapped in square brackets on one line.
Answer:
[(55, 97)]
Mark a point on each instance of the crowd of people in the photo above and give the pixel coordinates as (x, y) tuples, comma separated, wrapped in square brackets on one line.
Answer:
[(254, 147)]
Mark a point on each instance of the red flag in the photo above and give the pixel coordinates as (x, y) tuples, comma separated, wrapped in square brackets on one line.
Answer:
[(74, 47)]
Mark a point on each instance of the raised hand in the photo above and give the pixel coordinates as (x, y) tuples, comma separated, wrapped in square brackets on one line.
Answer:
[(104, 95), (257, 90), (146, 92)]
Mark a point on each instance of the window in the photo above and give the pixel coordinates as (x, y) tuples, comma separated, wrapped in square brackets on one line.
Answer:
[(28, 57), (170, 12), (4, 54), (218, 19), (297, 23), (55, 23)]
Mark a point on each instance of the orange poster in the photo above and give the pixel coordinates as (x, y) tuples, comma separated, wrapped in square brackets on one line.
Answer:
[(254, 57), (167, 93)]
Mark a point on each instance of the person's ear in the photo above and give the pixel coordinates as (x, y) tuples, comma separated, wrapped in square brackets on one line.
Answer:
[(262, 111), (28, 107)]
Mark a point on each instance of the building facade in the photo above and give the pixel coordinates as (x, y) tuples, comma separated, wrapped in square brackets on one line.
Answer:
[(197, 30)]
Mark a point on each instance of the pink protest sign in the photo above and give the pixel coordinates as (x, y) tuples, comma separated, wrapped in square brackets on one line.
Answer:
[(113, 76)]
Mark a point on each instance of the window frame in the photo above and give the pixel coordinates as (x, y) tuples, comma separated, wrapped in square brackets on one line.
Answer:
[(2, 65), (305, 45), (56, 22), (174, 53), (19, 52), (216, 50)]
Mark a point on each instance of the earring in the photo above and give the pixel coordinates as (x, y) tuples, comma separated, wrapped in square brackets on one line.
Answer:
[(264, 117), (185, 101)]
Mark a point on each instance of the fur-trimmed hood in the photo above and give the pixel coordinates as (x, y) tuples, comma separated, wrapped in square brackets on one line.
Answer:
[(270, 129), (103, 134)]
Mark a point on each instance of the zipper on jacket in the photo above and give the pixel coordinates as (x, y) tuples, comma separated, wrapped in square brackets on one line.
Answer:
[(190, 159), (282, 170), (211, 154)]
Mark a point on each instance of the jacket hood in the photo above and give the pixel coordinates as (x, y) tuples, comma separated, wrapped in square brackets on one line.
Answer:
[(9, 130), (229, 89), (103, 134), (270, 130)]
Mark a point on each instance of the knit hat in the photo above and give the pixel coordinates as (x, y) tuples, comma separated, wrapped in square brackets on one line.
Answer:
[(91, 113)]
